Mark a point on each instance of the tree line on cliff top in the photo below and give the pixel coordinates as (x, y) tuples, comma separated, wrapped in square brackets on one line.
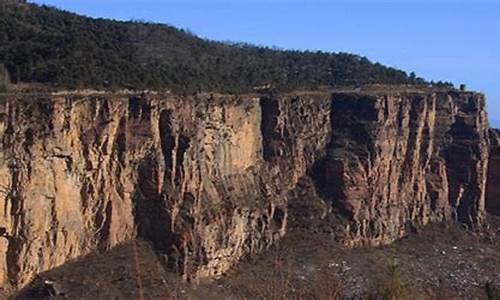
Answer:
[(46, 45)]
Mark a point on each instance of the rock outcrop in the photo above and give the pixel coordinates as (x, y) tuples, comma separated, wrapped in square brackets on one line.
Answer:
[(81, 174), (208, 179), (397, 161), (493, 191)]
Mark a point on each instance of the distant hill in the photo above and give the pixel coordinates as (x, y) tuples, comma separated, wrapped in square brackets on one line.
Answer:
[(47, 45)]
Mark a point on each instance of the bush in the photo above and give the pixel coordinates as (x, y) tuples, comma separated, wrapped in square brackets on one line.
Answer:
[(397, 286), (492, 293)]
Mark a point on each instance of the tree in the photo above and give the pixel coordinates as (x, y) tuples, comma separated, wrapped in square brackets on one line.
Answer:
[(4, 78), (413, 76)]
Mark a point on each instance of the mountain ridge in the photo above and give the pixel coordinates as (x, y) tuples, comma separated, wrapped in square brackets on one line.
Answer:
[(59, 48)]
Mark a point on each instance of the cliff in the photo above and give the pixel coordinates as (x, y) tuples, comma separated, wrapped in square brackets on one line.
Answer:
[(399, 161), (211, 179), (493, 191)]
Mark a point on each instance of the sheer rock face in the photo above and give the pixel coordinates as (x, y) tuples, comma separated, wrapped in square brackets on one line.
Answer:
[(493, 191), (400, 161), (208, 179), (84, 174)]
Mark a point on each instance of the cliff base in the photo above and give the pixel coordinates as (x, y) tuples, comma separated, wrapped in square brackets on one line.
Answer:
[(440, 261)]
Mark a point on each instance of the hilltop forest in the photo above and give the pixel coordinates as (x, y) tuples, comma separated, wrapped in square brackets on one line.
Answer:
[(46, 45)]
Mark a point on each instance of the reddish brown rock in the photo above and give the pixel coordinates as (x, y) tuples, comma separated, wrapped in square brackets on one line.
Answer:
[(402, 160), (493, 191), (83, 173), (211, 179)]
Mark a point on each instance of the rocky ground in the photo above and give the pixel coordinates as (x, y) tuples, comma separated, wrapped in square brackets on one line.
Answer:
[(439, 262)]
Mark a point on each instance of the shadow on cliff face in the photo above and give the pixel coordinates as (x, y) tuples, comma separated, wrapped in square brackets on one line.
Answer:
[(351, 120), (461, 159), (270, 112), (493, 188), (280, 130), (150, 214), (327, 175), (173, 147)]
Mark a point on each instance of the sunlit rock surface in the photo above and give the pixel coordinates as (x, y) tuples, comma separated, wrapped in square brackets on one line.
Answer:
[(208, 179)]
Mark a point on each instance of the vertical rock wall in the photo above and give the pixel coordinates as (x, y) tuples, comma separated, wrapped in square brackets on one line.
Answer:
[(493, 190), (398, 161), (208, 179), (80, 174)]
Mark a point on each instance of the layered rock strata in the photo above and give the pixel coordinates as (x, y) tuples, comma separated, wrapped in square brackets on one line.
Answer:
[(208, 179), (397, 161)]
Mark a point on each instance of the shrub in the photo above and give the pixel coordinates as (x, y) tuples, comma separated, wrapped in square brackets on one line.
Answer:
[(397, 286), (492, 293)]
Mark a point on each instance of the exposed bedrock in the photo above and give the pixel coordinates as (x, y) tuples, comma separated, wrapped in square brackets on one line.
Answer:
[(493, 190), (212, 179), (404, 160)]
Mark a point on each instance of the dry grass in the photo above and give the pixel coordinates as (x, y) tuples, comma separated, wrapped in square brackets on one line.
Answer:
[(287, 280)]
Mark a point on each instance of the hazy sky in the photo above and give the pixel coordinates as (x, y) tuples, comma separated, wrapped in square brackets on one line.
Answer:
[(453, 40)]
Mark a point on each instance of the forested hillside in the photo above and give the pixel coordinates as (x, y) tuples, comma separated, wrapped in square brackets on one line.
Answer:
[(47, 45)]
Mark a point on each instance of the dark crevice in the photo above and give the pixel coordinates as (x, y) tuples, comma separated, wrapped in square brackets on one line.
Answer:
[(120, 145), (278, 217), (150, 213), (493, 185), (270, 112), (461, 157), (15, 240)]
